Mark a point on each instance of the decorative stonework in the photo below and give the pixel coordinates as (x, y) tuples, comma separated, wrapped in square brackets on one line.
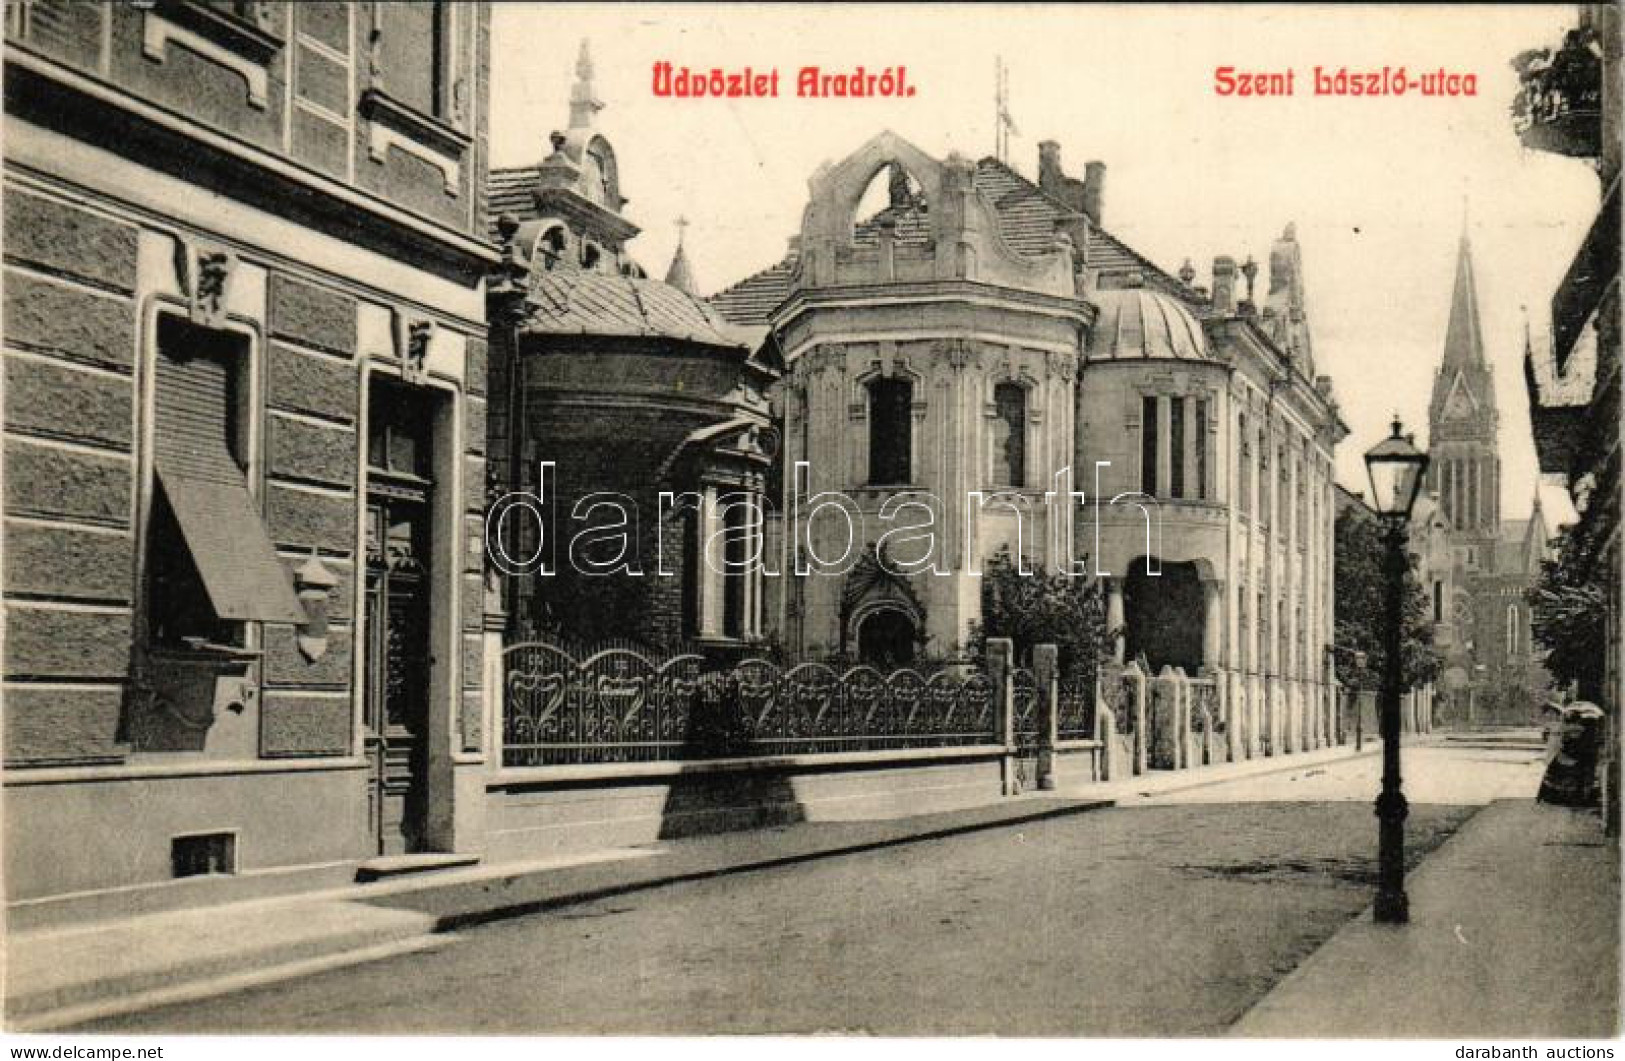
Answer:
[(158, 32)]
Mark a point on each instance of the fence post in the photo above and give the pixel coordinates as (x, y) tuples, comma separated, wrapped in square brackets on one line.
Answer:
[(1136, 679), (1045, 667), (1106, 733), (1000, 651)]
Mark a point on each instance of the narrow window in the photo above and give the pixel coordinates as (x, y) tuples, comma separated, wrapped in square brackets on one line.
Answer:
[(1177, 455), (1512, 630), (1438, 601), (1244, 466), (891, 431), (1263, 478), (1201, 449), (1010, 435), (736, 520), (1148, 445)]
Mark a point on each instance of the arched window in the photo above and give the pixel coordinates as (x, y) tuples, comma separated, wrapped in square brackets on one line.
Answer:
[(589, 255), (1010, 435), (891, 431)]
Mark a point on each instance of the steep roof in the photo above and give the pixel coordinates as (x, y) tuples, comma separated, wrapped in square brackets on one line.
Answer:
[(1463, 338), (508, 191), (1027, 220), (583, 302)]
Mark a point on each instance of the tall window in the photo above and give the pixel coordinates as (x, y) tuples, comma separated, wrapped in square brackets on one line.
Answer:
[(1241, 628), (1201, 449), (1010, 435), (1263, 633), (1148, 445), (1176, 447), (209, 561), (1263, 477), (891, 431), (1244, 466), (1512, 630), (413, 55)]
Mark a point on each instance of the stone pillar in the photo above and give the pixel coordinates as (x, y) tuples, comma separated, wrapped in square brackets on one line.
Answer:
[(1212, 613), (1000, 651), (1235, 703), (1137, 708), (1046, 669), (1165, 735), (708, 577), (1115, 628)]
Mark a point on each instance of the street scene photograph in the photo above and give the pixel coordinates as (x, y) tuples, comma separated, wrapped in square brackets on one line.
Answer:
[(884, 522)]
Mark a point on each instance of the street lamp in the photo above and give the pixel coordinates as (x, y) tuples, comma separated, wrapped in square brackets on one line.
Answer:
[(1396, 468)]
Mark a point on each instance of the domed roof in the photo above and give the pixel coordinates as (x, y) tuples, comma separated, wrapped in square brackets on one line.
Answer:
[(1141, 323)]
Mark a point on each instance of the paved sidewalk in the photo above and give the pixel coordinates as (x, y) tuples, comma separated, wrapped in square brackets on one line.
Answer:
[(71, 974), (61, 976), (1514, 933), (1159, 782)]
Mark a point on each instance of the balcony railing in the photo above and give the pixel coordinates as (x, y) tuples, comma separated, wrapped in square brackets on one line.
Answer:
[(1558, 107)]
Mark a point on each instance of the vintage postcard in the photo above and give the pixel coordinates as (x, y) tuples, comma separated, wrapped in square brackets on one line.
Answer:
[(1036, 521)]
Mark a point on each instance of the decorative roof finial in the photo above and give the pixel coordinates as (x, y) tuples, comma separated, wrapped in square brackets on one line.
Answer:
[(1187, 272), (680, 274), (584, 101)]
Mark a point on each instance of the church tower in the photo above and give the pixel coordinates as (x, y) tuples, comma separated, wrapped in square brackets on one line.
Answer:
[(1463, 425)]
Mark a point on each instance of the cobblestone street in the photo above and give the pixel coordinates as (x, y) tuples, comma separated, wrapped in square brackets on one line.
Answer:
[(1171, 916)]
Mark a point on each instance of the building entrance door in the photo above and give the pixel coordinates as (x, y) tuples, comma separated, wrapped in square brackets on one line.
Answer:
[(398, 661)]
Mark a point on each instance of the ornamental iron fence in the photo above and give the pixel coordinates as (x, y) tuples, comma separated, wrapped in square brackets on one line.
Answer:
[(621, 706), (1075, 710)]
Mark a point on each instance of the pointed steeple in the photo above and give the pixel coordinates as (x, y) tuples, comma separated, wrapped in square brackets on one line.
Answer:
[(584, 101), (680, 275), (1463, 338)]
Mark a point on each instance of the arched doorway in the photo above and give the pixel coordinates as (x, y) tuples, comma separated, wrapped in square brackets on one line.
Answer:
[(1163, 614), (886, 639)]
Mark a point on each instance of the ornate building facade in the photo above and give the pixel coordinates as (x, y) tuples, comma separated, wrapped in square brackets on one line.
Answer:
[(628, 389), (1569, 104), (244, 442), (981, 348)]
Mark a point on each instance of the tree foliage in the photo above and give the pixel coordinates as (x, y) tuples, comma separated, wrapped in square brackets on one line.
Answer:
[(1567, 609), (1359, 569), (1042, 608)]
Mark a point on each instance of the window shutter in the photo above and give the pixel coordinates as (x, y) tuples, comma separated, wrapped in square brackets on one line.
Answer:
[(194, 423), (196, 451)]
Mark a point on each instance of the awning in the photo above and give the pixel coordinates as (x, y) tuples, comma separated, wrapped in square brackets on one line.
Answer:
[(239, 567)]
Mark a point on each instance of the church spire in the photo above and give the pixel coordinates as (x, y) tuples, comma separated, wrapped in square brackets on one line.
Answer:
[(1463, 339), (584, 101), (680, 275)]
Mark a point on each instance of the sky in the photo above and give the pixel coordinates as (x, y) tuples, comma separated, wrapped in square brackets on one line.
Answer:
[(1379, 188)]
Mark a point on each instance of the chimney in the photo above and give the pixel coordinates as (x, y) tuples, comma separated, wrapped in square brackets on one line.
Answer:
[(1224, 285), (1094, 190), (1050, 177)]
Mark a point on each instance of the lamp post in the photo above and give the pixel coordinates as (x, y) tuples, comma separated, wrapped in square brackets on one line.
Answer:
[(1396, 468)]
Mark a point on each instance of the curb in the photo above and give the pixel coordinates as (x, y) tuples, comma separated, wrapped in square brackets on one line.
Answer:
[(467, 919)]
